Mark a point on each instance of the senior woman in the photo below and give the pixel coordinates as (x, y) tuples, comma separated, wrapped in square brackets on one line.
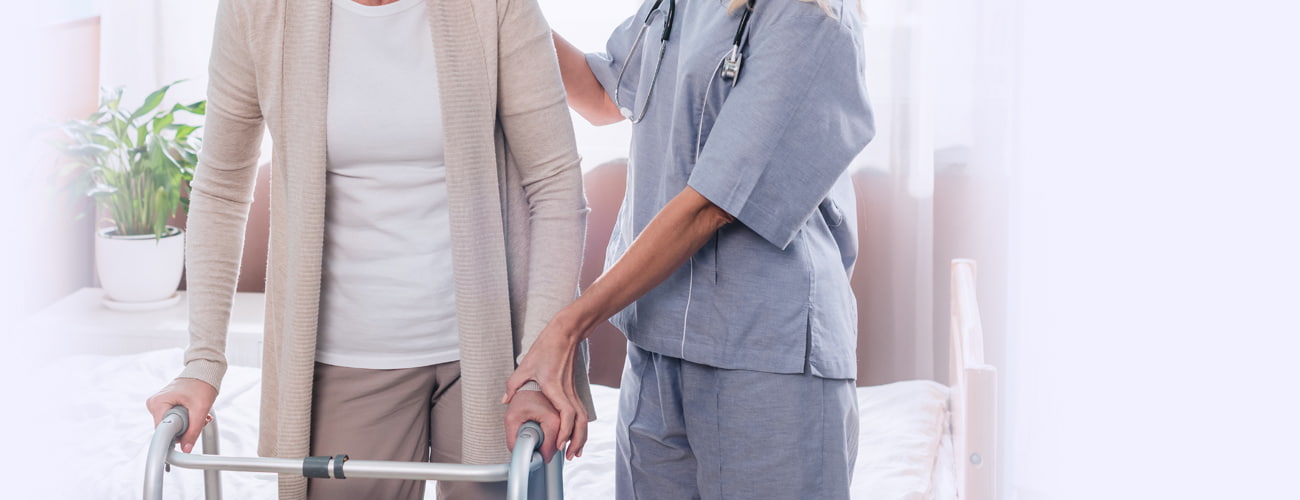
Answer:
[(728, 269), (427, 221)]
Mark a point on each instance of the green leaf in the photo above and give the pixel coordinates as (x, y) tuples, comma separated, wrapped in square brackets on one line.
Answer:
[(172, 163), (160, 215), (155, 98), (183, 132), (110, 99), (198, 108), (140, 134), (162, 122), (103, 136), (135, 170), (117, 124)]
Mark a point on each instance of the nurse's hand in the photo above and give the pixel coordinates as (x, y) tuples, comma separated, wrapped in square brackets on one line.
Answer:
[(549, 363)]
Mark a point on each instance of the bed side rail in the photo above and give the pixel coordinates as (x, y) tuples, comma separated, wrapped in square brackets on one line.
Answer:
[(973, 398)]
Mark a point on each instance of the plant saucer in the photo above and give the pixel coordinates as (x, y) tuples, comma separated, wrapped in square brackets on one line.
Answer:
[(152, 305)]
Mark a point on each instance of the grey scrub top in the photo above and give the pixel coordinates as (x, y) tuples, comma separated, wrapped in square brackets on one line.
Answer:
[(771, 292)]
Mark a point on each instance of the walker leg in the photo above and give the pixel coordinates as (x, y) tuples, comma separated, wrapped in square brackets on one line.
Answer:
[(555, 478), (529, 438), (211, 446), (172, 425)]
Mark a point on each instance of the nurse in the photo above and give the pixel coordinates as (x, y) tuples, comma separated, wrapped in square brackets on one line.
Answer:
[(728, 268)]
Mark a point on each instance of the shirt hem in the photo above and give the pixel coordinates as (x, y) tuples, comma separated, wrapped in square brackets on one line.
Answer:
[(385, 363)]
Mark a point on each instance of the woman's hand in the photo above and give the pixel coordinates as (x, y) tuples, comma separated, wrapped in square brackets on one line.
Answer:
[(532, 405), (195, 395), (549, 363)]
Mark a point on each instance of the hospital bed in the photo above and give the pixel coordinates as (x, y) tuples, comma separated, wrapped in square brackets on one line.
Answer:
[(919, 439)]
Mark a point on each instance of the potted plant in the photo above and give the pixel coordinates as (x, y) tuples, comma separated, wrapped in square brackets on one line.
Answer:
[(136, 165)]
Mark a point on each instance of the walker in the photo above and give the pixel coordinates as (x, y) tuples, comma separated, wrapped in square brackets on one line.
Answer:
[(163, 454)]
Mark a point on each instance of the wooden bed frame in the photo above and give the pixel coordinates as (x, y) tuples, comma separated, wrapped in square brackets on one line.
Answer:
[(972, 400)]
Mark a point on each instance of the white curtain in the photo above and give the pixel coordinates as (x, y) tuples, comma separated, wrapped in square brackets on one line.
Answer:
[(895, 181), (931, 184), (149, 43)]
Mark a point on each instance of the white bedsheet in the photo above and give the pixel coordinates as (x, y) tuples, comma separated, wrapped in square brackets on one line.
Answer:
[(905, 451), (111, 428)]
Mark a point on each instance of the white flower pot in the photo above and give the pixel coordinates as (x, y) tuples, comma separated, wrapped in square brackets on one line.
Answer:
[(140, 272)]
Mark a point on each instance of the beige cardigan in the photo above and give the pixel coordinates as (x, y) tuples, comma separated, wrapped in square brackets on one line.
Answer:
[(514, 192)]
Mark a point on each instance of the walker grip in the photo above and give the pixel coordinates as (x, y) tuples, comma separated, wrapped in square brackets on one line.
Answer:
[(182, 414), (533, 428)]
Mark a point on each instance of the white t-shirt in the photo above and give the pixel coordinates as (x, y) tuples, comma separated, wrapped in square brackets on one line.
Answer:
[(387, 297)]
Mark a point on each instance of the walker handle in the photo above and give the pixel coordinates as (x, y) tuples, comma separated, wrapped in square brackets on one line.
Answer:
[(527, 441), (183, 414), (171, 426)]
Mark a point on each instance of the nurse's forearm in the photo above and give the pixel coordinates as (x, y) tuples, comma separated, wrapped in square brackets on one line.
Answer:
[(584, 92), (672, 237)]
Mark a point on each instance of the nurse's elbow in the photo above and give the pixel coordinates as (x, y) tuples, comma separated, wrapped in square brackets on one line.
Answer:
[(712, 217), (716, 217), (600, 112), (704, 211), (602, 120)]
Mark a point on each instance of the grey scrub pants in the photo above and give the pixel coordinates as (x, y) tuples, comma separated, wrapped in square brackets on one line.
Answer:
[(688, 430)]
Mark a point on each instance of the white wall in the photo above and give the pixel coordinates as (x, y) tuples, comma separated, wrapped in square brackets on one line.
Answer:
[(587, 24), (48, 54), (20, 99), (1154, 335)]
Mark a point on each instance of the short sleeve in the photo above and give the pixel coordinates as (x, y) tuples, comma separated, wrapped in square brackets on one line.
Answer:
[(795, 120), (606, 65)]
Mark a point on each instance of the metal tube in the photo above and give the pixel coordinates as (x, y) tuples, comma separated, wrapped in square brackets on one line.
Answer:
[(529, 437), (242, 464), (555, 478), (425, 471), (378, 469), (173, 424), (211, 446), (524, 461)]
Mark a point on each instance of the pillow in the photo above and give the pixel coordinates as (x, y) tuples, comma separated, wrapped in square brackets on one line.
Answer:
[(901, 429)]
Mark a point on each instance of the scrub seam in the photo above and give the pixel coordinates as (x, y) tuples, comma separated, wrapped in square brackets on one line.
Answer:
[(690, 287), (636, 414)]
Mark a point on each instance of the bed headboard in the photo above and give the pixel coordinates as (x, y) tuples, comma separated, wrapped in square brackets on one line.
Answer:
[(973, 396)]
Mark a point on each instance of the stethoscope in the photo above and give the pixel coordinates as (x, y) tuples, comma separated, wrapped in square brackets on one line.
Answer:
[(729, 66)]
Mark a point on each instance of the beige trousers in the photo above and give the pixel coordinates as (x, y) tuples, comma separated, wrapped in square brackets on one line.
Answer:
[(410, 414)]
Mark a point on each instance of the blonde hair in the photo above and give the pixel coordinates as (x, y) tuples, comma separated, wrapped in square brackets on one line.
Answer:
[(736, 4)]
